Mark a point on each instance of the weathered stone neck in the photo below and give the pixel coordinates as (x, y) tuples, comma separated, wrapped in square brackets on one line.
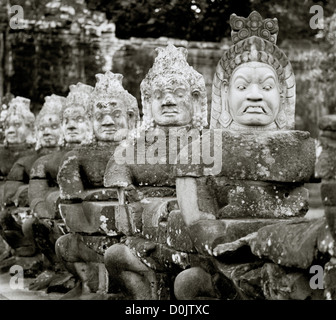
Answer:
[(108, 143), (71, 145), (19, 146), (239, 127)]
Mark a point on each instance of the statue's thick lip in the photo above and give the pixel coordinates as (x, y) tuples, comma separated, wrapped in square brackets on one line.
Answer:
[(169, 108), (110, 130), (254, 109)]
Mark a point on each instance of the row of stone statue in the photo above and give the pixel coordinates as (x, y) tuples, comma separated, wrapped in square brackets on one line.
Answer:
[(101, 201)]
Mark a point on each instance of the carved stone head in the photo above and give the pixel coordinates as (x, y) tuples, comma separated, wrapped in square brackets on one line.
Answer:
[(76, 123), (173, 94), (19, 122), (48, 122), (112, 108), (254, 85)]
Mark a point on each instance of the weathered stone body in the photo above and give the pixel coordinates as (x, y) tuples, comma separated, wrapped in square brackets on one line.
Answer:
[(87, 208), (157, 246), (258, 175)]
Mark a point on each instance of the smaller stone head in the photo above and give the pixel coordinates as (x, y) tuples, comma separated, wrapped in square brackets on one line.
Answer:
[(173, 94), (76, 123), (254, 84), (114, 111), (48, 122), (19, 122)]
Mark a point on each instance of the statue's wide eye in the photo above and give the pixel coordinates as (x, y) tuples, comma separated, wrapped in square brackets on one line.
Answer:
[(241, 87), (267, 87)]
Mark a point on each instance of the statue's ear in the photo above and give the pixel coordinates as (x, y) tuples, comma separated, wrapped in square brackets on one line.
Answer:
[(281, 119), (196, 101), (225, 117), (131, 119)]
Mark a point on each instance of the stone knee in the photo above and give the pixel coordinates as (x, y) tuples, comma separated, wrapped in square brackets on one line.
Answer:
[(65, 248), (115, 258), (193, 283)]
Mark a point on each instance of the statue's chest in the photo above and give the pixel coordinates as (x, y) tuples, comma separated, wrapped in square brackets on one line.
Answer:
[(93, 166)]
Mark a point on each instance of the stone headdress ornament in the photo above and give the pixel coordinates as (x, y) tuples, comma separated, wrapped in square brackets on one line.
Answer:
[(21, 106), (108, 87), (78, 96), (254, 39), (172, 62), (53, 105)]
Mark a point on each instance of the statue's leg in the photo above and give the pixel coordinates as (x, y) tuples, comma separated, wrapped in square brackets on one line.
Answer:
[(12, 233), (45, 235), (135, 278), (83, 262)]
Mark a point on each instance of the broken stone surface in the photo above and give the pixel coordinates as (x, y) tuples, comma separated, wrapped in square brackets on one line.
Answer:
[(246, 278), (91, 217), (226, 198), (291, 244), (279, 284)]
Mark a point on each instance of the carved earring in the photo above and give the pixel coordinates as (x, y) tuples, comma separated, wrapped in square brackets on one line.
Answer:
[(280, 119), (225, 119)]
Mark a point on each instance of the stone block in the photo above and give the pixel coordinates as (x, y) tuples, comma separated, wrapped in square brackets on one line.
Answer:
[(171, 259), (290, 243), (207, 234), (91, 217), (328, 193), (279, 156), (177, 235), (326, 164), (101, 194), (155, 210), (135, 211), (248, 199), (279, 284), (247, 278)]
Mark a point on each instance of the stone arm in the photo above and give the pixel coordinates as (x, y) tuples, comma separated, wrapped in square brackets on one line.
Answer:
[(39, 189), (16, 186), (69, 178), (204, 230)]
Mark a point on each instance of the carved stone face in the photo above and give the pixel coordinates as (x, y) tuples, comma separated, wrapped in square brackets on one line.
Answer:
[(49, 130), (172, 103), (75, 125), (16, 131), (108, 118), (254, 94)]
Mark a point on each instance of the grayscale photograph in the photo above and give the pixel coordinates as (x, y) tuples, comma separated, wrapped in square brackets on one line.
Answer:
[(181, 151)]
